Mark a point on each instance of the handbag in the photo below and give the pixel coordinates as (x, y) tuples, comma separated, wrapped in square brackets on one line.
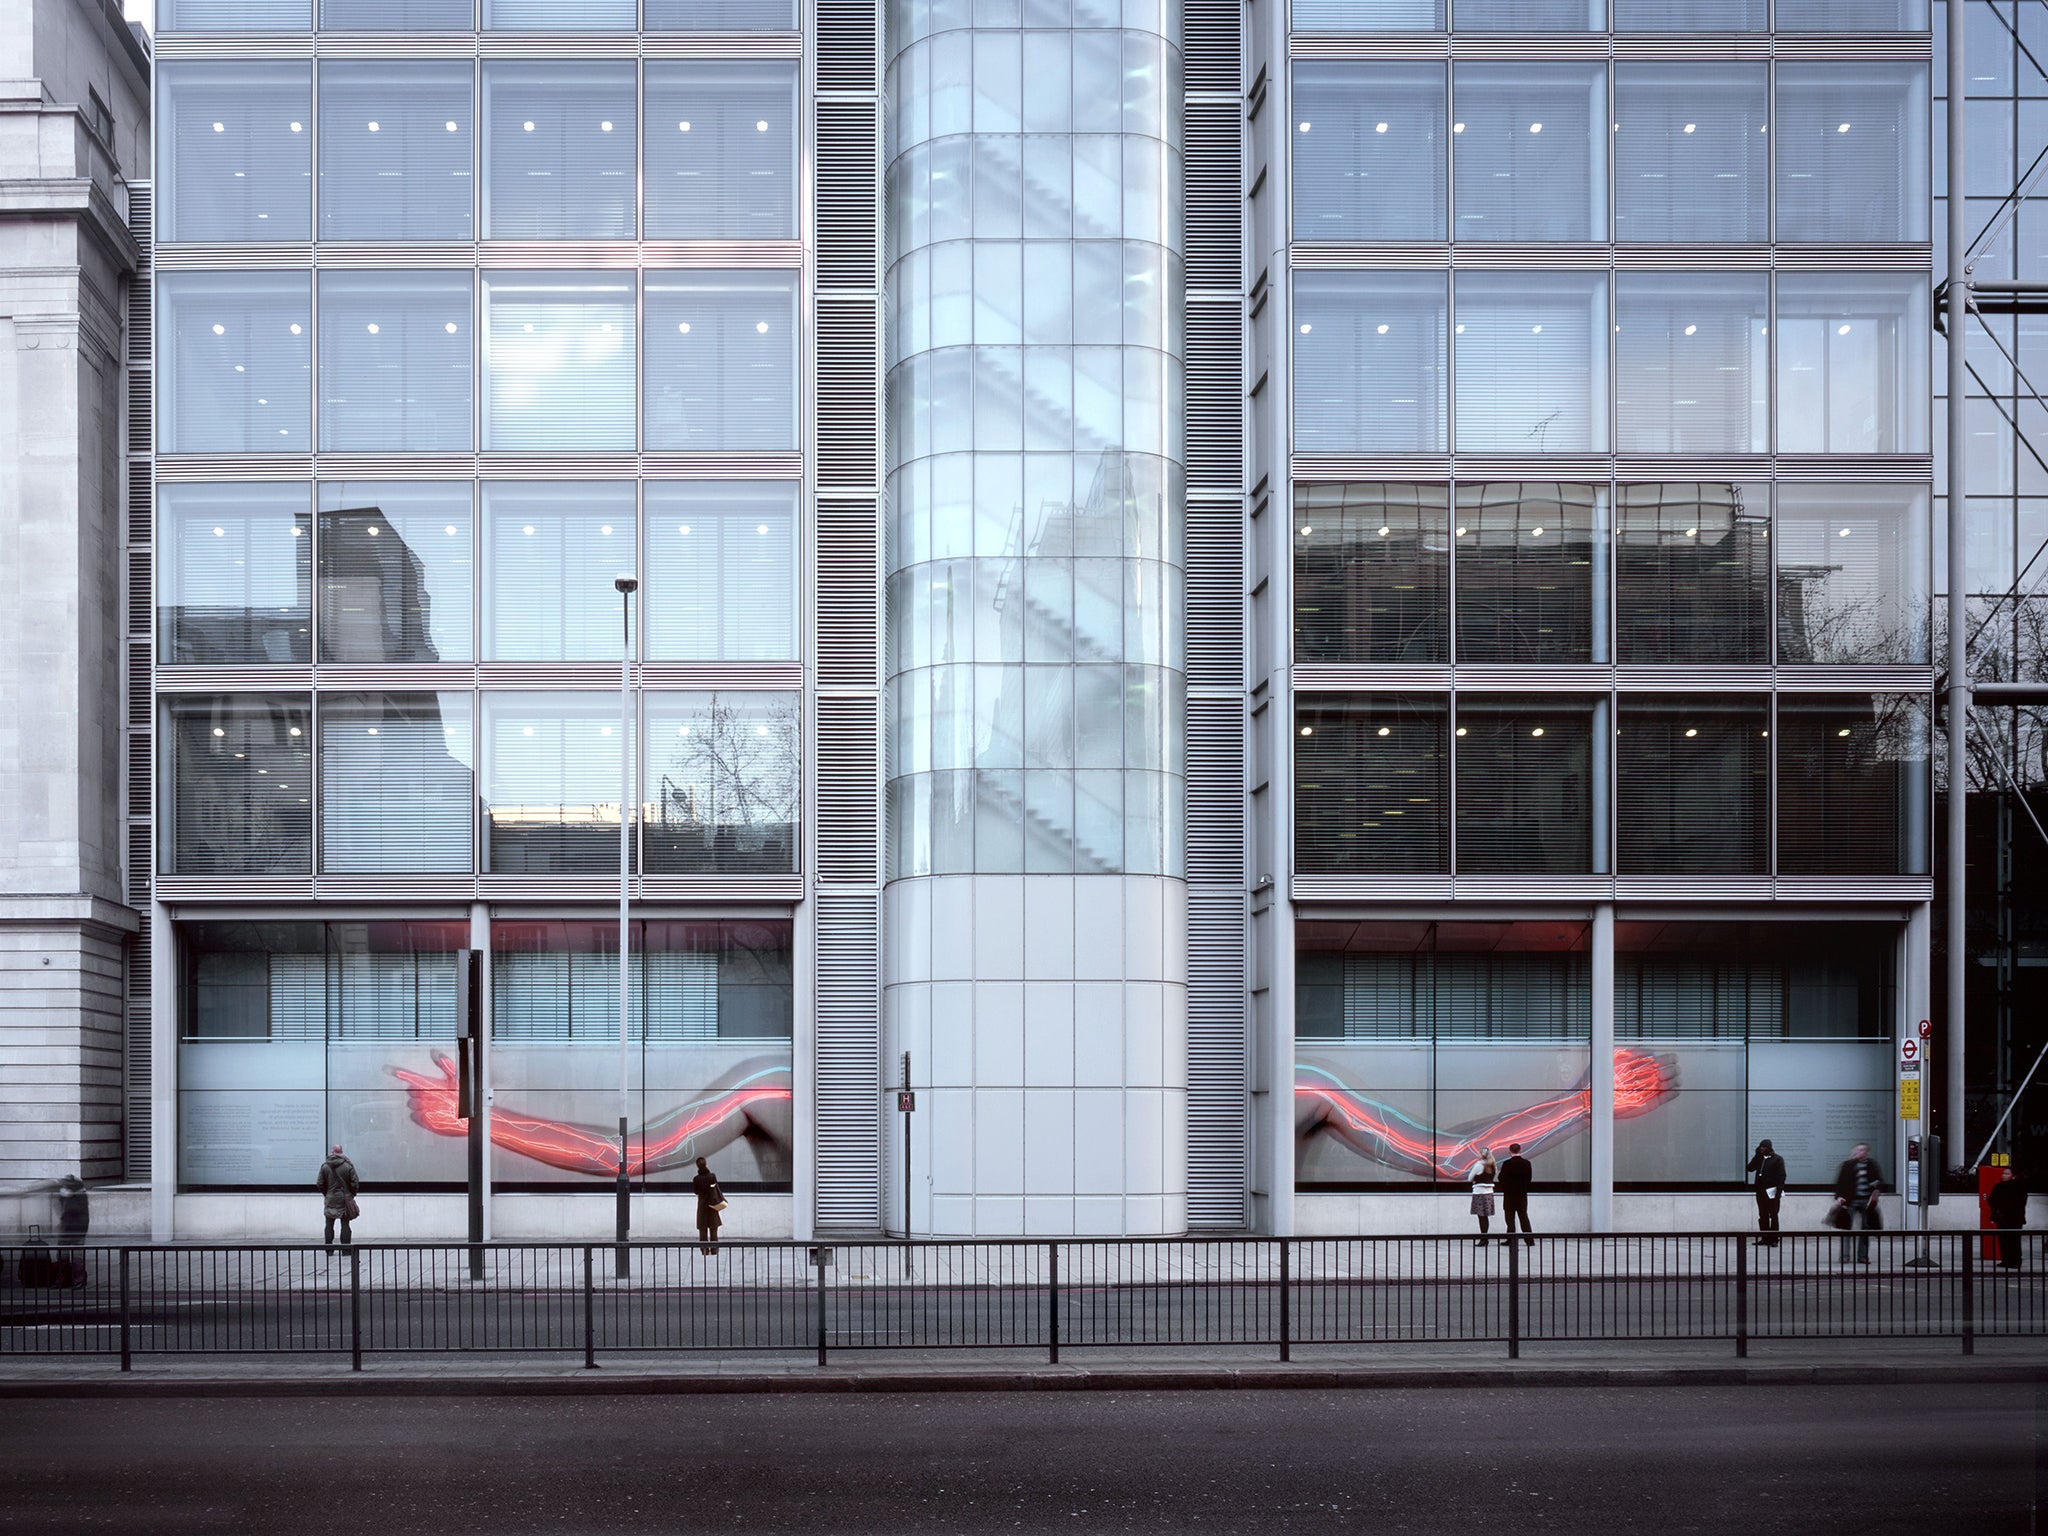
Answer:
[(351, 1211), (1838, 1216), (721, 1205)]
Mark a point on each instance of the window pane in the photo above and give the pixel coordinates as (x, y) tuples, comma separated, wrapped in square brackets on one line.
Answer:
[(552, 550), (721, 360), (1852, 573), (720, 16), (1525, 786), (1691, 15), (395, 783), (397, 15), (1368, 15), (1525, 572), (1369, 152), (233, 15), (1369, 361), (1691, 361), (721, 151), (721, 571), (558, 352), (235, 361), (395, 148), (395, 351), (1528, 152), (551, 785), (234, 578), (404, 591), (559, 15), (1692, 573), (1852, 363), (1852, 151), (559, 151), (238, 791), (1372, 573), (1691, 155), (1370, 784), (1852, 785), (1852, 15), (723, 775), (1532, 362), (1693, 786), (1531, 15), (237, 151)]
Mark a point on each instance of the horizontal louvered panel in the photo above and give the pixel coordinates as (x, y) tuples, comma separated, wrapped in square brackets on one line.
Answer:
[(1219, 1101), (1855, 679), (1424, 467), (1215, 395), (1311, 256), (435, 676), (1211, 44), (1216, 789), (1833, 258), (139, 767), (443, 888), (141, 599), (1532, 888), (289, 679), (141, 501), (141, 406), (252, 888), (848, 34), (849, 811), (1367, 466), (775, 675), (1864, 888), (225, 466), (1684, 47), (849, 383), (388, 45), (1344, 45), (1215, 200), (1522, 679), (141, 862), (1908, 467), (1352, 888), (1852, 45), (848, 591), (1320, 677), (848, 195), (722, 466), (1694, 888), (178, 257), (232, 45), (723, 45), (849, 1063), (139, 712), (1215, 593)]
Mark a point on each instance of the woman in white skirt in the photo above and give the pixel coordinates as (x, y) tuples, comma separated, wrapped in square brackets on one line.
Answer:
[(1484, 1173)]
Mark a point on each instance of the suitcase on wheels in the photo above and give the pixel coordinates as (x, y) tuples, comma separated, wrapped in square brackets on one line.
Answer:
[(38, 1266)]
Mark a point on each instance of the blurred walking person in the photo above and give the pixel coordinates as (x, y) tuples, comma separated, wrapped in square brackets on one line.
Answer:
[(1858, 1183), (338, 1184), (2008, 1202), (1769, 1169)]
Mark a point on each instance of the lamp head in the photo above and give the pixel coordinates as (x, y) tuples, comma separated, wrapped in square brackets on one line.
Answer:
[(626, 582)]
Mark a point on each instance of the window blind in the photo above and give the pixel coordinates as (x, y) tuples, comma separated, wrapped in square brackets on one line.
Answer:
[(723, 776), (721, 151), (1852, 151), (233, 574), (1370, 776), (1369, 362), (236, 363), (1372, 572), (551, 783), (1692, 573), (1530, 15), (395, 350), (559, 150), (1524, 571), (1525, 786), (720, 16), (1369, 159), (559, 15), (1530, 162), (1368, 15), (1852, 363), (397, 15), (233, 15), (1852, 785), (396, 143), (1691, 15), (237, 151), (1853, 576), (559, 360), (395, 783), (1691, 157), (405, 591), (375, 995), (1852, 15), (552, 550), (721, 360), (240, 786), (721, 560), (1532, 362), (1692, 362), (1692, 796)]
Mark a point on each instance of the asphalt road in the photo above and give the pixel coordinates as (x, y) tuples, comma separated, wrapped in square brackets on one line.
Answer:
[(1752, 1459)]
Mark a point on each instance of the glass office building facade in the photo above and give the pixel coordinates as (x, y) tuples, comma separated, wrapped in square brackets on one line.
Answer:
[(1377, 547)]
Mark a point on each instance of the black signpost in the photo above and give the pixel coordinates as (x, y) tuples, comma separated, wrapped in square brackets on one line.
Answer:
[(469, 1089)]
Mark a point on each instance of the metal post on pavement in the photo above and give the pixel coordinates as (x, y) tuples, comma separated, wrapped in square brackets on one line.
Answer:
[(1741, 1298), (355, 1308), (589, 1308), (1285, 1320), (627, 585), (1052, 1305), (818, 1258), (1958, 317), (127, 1356), (1514, 1300)]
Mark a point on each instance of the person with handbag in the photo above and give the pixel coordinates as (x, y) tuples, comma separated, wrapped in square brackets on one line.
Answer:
[(338, 1184), (1484, 1173), (1858, 1183), (710, 1201)]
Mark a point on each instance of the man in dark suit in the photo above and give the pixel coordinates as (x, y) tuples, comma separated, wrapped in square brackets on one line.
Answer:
[(1515, 1178), (1769, 1169)]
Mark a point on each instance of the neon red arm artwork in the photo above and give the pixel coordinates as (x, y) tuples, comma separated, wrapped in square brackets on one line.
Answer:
[(694, 1130), (1396, 1140)]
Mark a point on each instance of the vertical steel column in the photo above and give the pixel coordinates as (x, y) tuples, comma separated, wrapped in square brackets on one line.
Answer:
[(1956, 893), (1602, 1068)]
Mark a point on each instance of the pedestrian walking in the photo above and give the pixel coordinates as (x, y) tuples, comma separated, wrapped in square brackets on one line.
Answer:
[(1769, 1169), (2008, 1202), (1484, 1174), (1858, 1183), (74, 1208), (1515, 1178), (338, 1184), (710, 1201)]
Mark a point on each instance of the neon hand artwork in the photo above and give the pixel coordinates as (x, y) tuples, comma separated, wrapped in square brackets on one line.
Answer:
[(697, 1129), (1385, 1135)]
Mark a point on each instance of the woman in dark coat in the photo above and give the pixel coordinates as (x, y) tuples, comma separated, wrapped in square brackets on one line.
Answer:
[(709, 1199), (2008, 1202)]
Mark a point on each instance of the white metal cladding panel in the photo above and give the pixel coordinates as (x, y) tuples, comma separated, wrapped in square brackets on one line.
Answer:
[(1219, 1105), (849, 1084), (849, 45), (848, 591), (1214, 147), (848, 195), (849, 392), (1216, 593), (849, 796), (1216, 791), (1215, 393)]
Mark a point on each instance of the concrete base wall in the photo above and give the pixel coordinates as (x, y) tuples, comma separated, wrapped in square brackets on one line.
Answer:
[(1403, 1215), (445, 1218)]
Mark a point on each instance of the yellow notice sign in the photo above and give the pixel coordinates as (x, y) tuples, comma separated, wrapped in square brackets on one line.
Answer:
[(1909, 1098)]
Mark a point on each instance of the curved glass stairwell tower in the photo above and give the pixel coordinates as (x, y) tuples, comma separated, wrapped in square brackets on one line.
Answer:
[(1036, 910)]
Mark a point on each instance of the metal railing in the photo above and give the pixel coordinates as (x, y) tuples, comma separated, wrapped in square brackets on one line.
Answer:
[(1265, 1294)]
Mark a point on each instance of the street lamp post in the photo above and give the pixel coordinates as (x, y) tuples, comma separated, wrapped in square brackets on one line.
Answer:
[(627, 584)]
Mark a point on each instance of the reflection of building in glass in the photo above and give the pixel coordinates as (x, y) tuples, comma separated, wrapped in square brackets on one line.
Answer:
[(374, 603)]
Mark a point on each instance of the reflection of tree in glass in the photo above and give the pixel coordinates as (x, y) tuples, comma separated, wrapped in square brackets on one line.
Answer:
[(728, 779)]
